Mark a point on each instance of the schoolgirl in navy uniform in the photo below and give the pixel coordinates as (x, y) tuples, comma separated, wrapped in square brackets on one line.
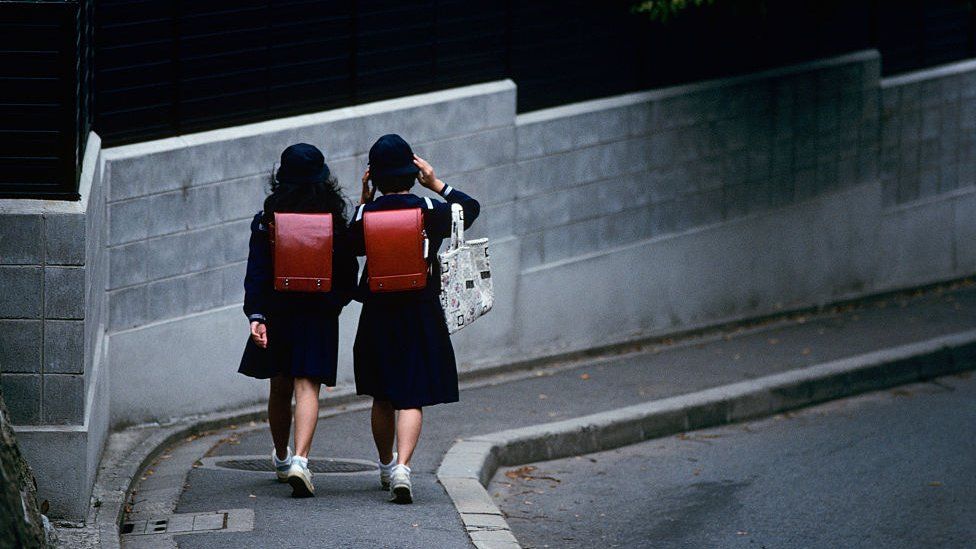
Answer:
[(295, 335), (403, 355)]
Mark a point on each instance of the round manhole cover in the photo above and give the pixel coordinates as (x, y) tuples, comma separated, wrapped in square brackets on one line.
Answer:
[(262, 464)]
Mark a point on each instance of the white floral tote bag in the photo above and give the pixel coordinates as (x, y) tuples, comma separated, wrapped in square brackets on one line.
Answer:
[(466, 287)]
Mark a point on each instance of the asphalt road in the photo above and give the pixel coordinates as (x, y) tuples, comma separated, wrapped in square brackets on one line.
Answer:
[(894, 469)]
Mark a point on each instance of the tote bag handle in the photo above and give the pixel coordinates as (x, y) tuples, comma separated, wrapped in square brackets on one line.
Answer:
[(457, 226)]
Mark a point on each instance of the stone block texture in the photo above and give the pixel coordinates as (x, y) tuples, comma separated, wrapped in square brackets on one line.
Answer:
[(928, 136), (682, 158), (50, 314), (603, 177), (179, 212)]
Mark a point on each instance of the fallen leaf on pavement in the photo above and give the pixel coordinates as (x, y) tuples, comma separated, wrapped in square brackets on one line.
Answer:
[(806, 350), (935, 483), (520, 472), (525, 473), (585, 376)]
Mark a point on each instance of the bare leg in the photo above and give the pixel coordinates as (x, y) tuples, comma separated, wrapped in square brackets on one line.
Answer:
[(306, 414), (408, 423), (279, 413), (383, 423)]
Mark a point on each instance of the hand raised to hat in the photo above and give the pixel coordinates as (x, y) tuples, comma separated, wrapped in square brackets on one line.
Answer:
[(368, 192), (426, 176)]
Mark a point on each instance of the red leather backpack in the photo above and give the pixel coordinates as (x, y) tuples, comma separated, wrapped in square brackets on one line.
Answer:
[(396, 250), (301, 251)]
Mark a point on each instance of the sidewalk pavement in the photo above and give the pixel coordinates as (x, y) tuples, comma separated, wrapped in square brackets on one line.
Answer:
[(351, 511)]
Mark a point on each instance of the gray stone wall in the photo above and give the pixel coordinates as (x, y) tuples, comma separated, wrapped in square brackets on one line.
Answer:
[(577, 199), (928, 146), (50, 269), (607, 173), (53, 274), (180, 209)]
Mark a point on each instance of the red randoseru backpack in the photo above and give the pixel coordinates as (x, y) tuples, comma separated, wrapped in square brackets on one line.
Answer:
[(396, 250), (301, 251)]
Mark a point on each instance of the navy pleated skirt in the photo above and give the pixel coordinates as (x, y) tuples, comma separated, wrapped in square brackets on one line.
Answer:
[(300, 344), (403, 353)]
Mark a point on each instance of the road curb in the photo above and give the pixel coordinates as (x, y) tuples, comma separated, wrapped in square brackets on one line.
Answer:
[(130, 451), (470, 464)]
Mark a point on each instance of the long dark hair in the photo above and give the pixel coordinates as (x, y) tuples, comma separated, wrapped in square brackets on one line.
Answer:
[(319, 197)]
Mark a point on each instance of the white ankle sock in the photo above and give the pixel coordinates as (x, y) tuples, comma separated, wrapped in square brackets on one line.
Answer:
[(285, 461), (388, 466)]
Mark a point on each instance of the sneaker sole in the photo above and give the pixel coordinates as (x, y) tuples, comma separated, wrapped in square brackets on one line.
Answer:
[(282, 477), (385, 486), (300, 488), (402, 495)]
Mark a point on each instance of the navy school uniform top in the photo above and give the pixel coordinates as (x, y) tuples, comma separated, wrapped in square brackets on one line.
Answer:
[(403, 352), (303, 327)]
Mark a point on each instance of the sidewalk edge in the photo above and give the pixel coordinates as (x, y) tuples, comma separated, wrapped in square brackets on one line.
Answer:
[(470, 464), (128, 452)]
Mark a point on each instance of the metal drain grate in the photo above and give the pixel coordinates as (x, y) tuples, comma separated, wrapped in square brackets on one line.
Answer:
[(323, 466), (178, 523)]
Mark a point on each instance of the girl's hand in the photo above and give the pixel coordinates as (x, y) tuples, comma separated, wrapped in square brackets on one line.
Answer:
[(426, 176), (259, 333), (368, 192)]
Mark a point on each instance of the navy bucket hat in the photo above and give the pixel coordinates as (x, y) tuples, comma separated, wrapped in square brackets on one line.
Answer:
[(391, 156), (302, 164)]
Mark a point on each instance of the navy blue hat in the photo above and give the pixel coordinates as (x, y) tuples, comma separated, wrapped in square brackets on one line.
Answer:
[(302, 164), (391, 155)]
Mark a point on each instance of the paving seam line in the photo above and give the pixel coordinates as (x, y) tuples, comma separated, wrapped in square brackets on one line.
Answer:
[(470, 463)]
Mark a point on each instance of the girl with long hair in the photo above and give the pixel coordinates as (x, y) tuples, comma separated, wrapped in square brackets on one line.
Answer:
[(294, 337)]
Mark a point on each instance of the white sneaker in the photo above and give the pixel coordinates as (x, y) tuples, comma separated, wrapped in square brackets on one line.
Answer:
[(300, 478), (400, 485), (281, 465), (385, 471)]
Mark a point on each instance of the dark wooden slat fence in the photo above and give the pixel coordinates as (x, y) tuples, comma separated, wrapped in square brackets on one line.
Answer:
[(144, 69)]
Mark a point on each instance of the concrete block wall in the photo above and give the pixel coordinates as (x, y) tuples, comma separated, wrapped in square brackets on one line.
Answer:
[(50, 264), (610, 172), (928, 147), (179, 214), (643, 185), (928, 174), (52, 274)]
